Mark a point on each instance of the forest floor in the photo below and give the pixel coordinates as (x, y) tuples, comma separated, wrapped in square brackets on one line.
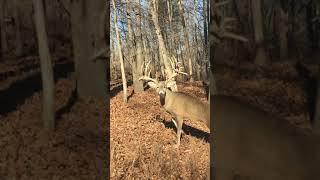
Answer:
[(143, 139), (77, 149), (143, 136)]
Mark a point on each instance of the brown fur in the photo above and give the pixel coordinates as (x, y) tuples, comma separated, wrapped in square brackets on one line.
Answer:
[(254, 144), (186, 106), (181, 106)]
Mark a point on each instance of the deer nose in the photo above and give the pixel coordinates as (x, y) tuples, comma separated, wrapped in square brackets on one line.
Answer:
[(161, 92)]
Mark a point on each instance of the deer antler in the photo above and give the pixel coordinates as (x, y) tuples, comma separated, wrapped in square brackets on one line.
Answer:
[(146, 74), (177, 68)]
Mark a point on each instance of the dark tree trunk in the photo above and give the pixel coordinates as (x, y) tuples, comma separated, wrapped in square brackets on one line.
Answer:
[(48, 113), (316, 118), (261, 55), (17, 20), (3, 38), (88, 37), (283, 31)]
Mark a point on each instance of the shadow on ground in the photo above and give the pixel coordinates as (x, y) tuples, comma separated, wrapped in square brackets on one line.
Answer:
[(117, 88), (189, 130), (19, 91), (65, 109)]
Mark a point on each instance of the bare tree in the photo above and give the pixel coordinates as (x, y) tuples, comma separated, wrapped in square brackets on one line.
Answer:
[(17, 20), (261, 55), (123, 75), (88, 28), (4, 45), (219, 30), (170, 18), (205, 34), (283, 21), (48, 113), (186, 39), (162, 48), (138, 85)]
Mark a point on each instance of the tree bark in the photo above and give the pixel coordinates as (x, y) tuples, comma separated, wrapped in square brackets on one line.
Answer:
[(316, 120), (205, 44), (123, 75), (261, 56), (186, 40), (162, 49), (283, 21), (88, 22), (17, 20), (145, 49), (48, 112), (131, 40), (170, 17), (138, 62), (4, 44)]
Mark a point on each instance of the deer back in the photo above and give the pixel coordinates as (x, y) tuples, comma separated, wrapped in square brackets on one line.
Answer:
[(186, 106)]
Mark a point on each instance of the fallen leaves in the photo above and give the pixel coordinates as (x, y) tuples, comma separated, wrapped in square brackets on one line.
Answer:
[(143, 147)]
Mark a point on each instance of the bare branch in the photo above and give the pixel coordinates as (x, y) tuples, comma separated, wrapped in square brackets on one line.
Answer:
[(102, 54), (65, 5), (234, 36), (146, 78), (222, 3)]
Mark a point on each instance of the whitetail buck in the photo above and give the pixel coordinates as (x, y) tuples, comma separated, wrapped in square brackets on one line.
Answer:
[(258, 146), (180, 105)]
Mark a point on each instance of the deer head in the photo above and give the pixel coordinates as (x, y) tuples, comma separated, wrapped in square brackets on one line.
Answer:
[(162, 86)]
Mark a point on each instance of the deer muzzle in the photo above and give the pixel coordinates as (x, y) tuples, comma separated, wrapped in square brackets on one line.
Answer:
[(162, 96)]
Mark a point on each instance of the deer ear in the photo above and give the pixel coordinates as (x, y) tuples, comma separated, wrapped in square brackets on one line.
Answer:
[(152, 84)]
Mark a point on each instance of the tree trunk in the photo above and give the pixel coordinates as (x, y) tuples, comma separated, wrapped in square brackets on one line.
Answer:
[(316, 120), (4, 44), (186, 40), (162, 49), (138, 61), (17, 20), (145, 49), (88, 22), (283, 21), (131, 40), (48, 112), (205, 44), (170, 17), (124, 80), (261, 56), (162, 66)]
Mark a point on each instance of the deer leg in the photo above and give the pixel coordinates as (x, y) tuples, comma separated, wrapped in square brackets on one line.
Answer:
[(179, 122), (175, 124)]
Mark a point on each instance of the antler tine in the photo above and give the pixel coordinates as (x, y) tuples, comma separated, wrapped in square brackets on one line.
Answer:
[(146, 75), (172, 77), (145, 65), (171, 62), (180, 72), (176, 67), (146, 78), (175, 60), (146, 70)]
